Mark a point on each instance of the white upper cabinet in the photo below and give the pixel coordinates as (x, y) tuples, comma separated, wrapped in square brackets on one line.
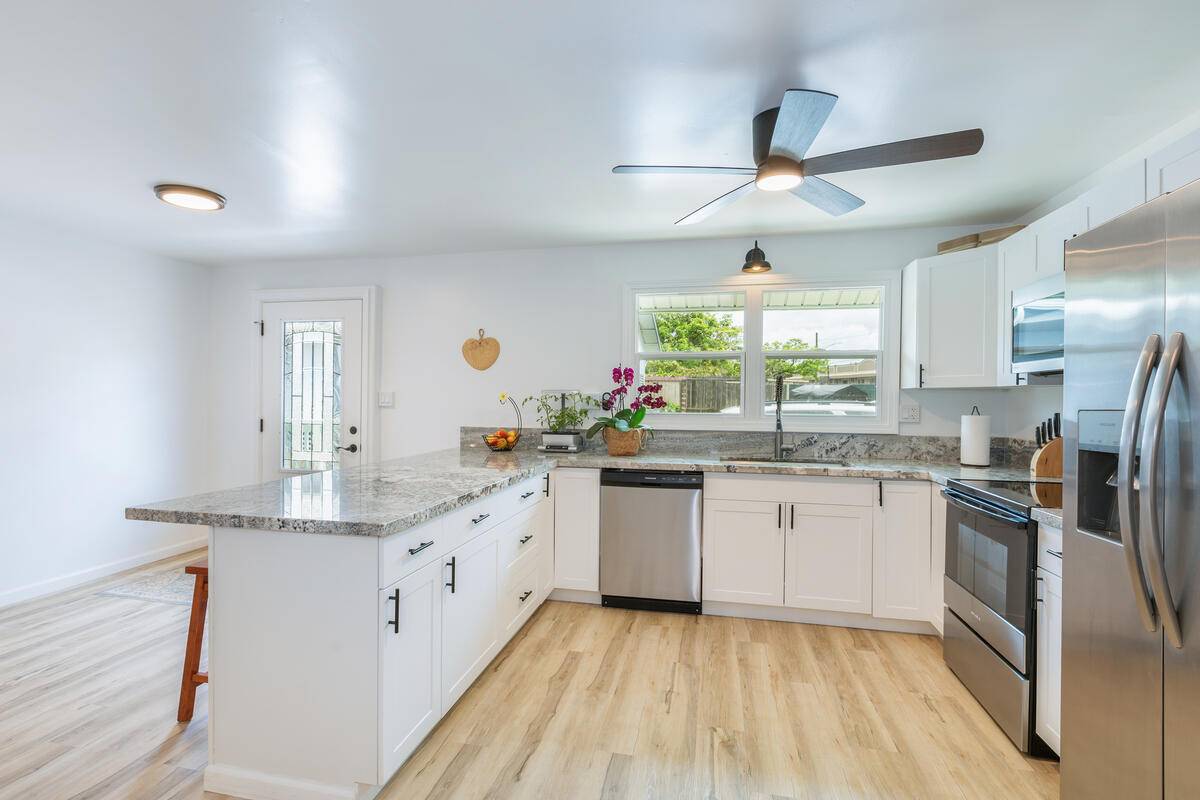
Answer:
[(950, 334), (576, 495), (1122, 192), (901, 548), (829, 557), (743, 551), (1173, 166), (1017, 257), (1051, 233)]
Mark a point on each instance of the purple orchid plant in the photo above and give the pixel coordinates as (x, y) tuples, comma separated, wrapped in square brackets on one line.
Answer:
[(627, 403)]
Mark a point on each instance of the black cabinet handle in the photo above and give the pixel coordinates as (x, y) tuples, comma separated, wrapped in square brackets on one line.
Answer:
[(779, 517), (792, 523), (412, 551), (881, 494), (395, 620), (525, 596), (479, 519), (525, 538), (528, 495), (546, 488), (921, 376), (452, 565)]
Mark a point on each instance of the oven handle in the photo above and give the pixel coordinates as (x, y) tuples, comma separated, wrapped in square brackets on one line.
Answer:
[(962, 502), (1151, 543), (1126, 486)]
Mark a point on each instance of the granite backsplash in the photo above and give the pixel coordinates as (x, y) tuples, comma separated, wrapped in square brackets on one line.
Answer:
[(842, 446)]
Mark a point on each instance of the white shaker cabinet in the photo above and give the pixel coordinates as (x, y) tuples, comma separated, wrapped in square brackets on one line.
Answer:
[(470, 629), (576, 494), (1052, 232), (743, 551), (828, 560), (409, 653), (937, 556), (949, 330), (1173, 166), (902, 551), (545, 526), (1121, 192), (1048, 719)]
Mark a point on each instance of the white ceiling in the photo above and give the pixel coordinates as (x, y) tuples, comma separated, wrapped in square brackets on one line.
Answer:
[(394, 127)]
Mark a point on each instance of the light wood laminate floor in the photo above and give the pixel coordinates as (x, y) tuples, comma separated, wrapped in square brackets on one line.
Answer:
[(583, 703)]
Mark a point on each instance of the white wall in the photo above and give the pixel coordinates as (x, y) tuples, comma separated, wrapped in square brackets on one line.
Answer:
[(556, 312), (105, 378)]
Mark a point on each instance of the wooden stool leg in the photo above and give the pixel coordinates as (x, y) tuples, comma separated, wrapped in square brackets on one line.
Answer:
[(191, 656)]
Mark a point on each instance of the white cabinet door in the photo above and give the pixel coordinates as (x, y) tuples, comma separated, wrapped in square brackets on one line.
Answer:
[(1052, 232), (949, 332), (576, 494), (743, 551), (828, 557), (469, 616), (409, 674), (937, 558), (901, 551), (1017, 257), (1048, 714), (545, 525), (1119, 193), (1173, 166)]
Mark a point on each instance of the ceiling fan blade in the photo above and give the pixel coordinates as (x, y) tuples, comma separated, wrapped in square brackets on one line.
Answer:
[(825, 196), (801, 116), (647, 169), (910, 151), (713, 206)]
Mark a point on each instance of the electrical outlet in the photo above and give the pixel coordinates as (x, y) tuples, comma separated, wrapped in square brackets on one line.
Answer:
[(910, 412), (387, 399)]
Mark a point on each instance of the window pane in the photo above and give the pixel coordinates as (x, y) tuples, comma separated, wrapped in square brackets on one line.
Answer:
[(822, 319), (843, 387), (697, 323), (312, 394), (698, 386)]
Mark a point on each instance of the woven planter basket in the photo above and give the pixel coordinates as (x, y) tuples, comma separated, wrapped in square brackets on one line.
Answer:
[(623, 443)]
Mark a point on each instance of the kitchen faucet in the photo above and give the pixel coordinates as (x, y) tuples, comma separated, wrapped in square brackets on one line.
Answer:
[(779, 448)]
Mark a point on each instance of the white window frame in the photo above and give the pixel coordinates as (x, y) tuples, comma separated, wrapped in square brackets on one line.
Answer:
[(752, 416)]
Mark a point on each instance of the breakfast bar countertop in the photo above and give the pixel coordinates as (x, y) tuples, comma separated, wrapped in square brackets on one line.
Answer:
[(394, 495)]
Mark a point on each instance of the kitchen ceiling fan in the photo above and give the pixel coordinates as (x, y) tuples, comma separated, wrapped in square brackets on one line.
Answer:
[(782, 136)]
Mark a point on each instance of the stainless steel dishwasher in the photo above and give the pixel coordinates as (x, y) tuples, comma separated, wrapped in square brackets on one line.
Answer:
[(650, 539)]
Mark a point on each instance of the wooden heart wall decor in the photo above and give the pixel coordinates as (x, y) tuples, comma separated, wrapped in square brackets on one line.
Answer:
[(481, 352)]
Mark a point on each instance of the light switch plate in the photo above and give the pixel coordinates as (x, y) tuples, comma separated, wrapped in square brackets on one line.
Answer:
[(387, 399), (910, 412)]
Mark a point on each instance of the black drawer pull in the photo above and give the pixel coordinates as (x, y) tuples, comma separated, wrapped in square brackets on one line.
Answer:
[(452, 565), (1055, 553), (525, 538), (479, 519), (395, 621), (412, 551), (525, 596), (528, 495)]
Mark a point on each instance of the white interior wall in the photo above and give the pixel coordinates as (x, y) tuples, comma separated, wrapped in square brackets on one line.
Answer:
[(557, 315), (104, 405)]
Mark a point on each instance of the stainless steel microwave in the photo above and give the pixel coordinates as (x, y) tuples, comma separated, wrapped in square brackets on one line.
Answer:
[(1037, 326)]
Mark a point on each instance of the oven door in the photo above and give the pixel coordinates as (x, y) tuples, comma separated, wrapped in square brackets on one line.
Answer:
[(989, 574), (1038, 313)]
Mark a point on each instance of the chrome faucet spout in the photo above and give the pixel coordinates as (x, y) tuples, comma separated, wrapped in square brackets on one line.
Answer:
[(778, 417)]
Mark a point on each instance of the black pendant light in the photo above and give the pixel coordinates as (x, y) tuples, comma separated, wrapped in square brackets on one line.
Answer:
[(756, 261)]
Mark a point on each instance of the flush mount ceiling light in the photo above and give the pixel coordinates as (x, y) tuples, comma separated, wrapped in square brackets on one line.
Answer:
[(756, 261), (190, 197), (777, 174)]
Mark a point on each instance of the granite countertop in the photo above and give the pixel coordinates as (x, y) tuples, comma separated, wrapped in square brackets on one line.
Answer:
[(385, 498), (1052, 517)]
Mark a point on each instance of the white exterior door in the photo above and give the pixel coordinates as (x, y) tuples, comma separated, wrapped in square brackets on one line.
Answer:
[(312, 382), (743, 552)]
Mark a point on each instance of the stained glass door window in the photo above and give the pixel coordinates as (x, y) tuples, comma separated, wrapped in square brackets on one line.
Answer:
[(312, 394)]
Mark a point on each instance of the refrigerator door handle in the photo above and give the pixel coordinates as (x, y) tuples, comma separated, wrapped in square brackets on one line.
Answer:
[(1150, 524), (1128, 483)]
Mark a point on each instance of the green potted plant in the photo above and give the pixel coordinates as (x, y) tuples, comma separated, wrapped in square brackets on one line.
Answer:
[(623, 431), (562, 415)]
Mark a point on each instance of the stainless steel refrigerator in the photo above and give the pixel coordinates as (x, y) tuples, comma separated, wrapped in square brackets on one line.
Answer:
[(1131, 562)]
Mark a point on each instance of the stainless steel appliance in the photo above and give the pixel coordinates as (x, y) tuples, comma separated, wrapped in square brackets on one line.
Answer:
[(1037, 326), (650, 539), (1131, 510), (991, 555)]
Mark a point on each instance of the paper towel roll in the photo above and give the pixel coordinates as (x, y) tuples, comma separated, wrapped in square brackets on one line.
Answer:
[(975, 445)]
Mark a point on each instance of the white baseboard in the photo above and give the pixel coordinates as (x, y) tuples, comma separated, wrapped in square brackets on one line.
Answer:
[(575, 596), (839, 619), (61, 582), (252, 785)]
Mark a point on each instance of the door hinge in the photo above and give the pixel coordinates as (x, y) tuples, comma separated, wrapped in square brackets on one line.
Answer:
[(260, 425)]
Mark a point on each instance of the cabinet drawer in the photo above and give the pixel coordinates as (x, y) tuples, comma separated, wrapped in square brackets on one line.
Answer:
[(410, 550), (518, 538), (1050, 548), (792, 489), (466, 523), (521, 496), (518, 599)]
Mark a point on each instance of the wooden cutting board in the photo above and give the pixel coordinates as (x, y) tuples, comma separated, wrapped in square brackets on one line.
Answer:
[(481, 352)]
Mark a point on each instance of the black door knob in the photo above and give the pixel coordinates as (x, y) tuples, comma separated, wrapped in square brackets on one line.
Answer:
[(351, 449)]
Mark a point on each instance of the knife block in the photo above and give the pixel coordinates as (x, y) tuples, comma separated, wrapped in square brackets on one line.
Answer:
[(1047, 461)]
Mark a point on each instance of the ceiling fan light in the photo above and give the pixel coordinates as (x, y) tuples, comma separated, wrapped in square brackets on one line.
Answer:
[(192, 198), (778, 174), (756, 261)]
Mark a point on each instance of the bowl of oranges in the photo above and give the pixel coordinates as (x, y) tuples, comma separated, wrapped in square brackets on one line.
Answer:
[(502, 439)]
